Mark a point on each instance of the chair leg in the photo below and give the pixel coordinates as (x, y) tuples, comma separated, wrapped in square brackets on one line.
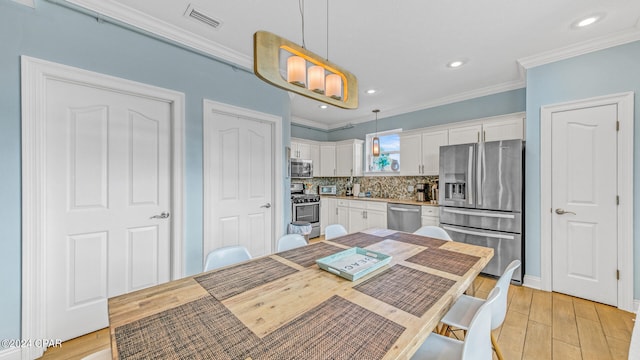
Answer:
[(496, 348)]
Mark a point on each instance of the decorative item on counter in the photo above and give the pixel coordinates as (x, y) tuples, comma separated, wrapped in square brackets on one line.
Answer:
[(308, 188), (434, 193), (395, 165), (421, 192)]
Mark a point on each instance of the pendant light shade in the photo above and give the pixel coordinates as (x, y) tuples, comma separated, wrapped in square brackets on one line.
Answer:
[(296, 70), (376, 146), (316, 79), (333, 86), (375, 143)]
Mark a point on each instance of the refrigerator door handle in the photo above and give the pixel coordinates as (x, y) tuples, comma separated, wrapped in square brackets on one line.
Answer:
[(478, 233), (469, 180), (484, 214), (479, 166)]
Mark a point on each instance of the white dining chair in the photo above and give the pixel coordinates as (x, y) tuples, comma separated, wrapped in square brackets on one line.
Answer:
[(291, 241), (459, 316), (434, 232), (334, 231), (476, 344), (225, 256)]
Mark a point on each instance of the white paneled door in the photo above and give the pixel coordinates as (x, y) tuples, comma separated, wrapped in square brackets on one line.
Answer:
[(238, 177), (584, 203), (107, 184)]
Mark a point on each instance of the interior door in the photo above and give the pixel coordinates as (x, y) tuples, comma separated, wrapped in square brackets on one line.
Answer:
[(107, 174), (238, 183), (584, 213)]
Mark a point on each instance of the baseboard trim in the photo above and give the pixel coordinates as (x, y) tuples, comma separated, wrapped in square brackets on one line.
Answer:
[(533, 282), (11, 354)]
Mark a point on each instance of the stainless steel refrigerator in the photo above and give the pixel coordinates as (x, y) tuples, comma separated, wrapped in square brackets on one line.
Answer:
[(481, 199)]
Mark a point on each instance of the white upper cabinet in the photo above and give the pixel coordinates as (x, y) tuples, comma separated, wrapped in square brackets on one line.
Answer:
[(493, 129), (307, 150), (420, 152), (465, 134), (506, 129), (431, 142), (327, 159), (410, 154), (349, 158)]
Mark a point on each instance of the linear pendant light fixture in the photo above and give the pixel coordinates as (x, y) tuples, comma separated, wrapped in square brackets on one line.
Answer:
[(375, 143), (328, 89), (308, 74)]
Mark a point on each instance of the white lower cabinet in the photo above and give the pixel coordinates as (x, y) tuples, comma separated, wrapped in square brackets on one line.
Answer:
[(357, 219), (364, 214), (377, 215), (343, 213), (430, 216), (358, 215), (328, 212)]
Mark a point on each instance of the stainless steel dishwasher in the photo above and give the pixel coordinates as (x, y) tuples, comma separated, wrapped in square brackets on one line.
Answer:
[(404, 217)]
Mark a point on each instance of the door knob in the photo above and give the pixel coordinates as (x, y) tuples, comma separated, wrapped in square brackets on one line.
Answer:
[(164, 215), (562, 212), (267, 205)]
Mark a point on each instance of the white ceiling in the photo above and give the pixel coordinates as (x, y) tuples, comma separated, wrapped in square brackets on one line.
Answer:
[(398, 48)]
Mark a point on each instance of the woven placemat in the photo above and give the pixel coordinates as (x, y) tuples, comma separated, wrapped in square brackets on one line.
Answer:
[(358, 239), (417, 240), (335, 329), (306, 256), (201, 329), (228, 282), (407, 289), (445, 260)]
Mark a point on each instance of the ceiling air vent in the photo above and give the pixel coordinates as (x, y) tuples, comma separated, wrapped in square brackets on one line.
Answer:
[(202, 17)]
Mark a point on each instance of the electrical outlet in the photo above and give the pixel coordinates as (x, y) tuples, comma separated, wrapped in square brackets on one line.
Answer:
[(410, 188)]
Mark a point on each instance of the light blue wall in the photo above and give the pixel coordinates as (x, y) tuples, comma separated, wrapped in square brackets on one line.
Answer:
[(491, 105), (56, 34), (304, 132), (609, 71)]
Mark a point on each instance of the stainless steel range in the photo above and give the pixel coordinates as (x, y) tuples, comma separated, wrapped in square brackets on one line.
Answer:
[(305, 207)]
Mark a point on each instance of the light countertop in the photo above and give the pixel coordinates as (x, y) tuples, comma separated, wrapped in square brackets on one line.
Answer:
[(387, 200)]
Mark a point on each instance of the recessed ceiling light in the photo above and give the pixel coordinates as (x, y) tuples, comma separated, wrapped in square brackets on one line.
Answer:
[(590, 20), (456, 64), (323, 106), (371, 91)]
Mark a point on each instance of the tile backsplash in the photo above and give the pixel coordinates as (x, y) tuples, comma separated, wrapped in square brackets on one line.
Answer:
[(393, 187)]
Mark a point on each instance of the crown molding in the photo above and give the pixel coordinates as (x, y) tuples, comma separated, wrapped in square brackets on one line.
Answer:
[(29, 3), (581, 48), (468, 95), (309, 124), (162, 29)]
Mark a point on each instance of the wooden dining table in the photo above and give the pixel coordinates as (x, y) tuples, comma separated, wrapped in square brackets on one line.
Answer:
[(283, 306)]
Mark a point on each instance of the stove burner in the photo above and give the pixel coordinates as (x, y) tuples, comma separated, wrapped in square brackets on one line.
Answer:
[(304, 198)]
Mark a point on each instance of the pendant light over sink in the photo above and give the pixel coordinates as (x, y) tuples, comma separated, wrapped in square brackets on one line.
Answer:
[(375, 143)]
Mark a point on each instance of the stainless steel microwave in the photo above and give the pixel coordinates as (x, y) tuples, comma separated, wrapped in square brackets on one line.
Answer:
[(301, 169), (327, 190)]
